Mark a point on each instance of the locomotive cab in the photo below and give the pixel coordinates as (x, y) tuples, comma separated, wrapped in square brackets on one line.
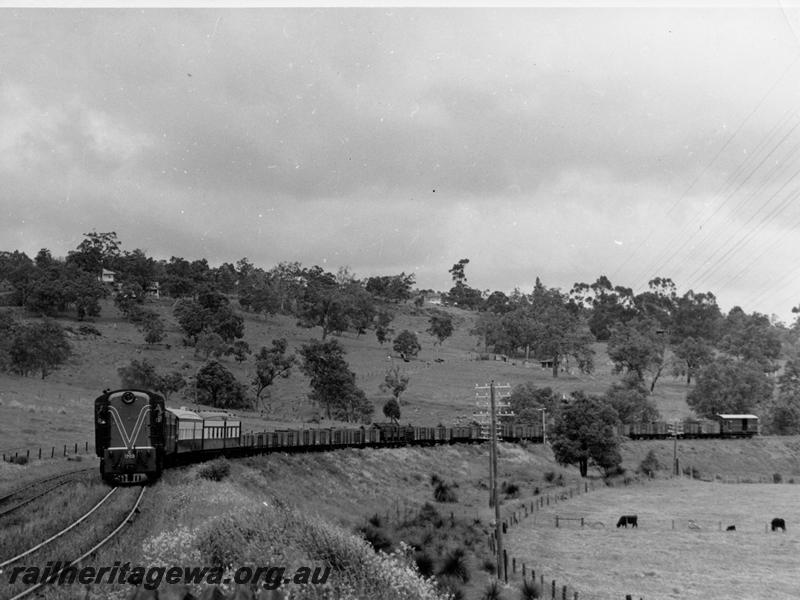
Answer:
[(129, 435)]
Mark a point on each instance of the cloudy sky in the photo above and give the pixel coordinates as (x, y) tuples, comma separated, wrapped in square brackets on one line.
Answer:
[(559, 142)]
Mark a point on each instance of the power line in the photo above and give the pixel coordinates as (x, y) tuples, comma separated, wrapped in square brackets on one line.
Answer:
[(730, 196), (763, 99), (738, 245)]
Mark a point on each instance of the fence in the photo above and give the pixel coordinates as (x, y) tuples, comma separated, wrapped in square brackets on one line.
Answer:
[(550, 589), (15, 456)]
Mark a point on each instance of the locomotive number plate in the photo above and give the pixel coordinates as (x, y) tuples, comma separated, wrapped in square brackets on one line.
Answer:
[(130, 455)]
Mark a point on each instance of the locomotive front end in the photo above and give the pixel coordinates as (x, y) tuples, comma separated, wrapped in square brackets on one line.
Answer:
[(129, 428)]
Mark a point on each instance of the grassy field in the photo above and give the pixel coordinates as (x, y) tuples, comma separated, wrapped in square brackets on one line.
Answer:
[(656, 561), (53, 411)]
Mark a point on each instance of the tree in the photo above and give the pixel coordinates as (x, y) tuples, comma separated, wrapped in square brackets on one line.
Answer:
[(140, 375), (152, 326), (382, 330), (322, 304), (585, 432), (333, 383), (143, 375), (729, 386), (170, 383), (391, 410), (8, 329), (750, 338), (406, 344), (784, 414), (218, 387), (210, 343), (629, 398), (395, 382), (461, 294), (545, 325), (39, 347), (528, 401), (392, 288), (638, 347), (605, 304), (691, 355), (240, 350), (95, 252), (271, 363), (440, 325)]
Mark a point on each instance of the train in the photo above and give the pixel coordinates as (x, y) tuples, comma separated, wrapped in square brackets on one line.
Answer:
[(137, 436)]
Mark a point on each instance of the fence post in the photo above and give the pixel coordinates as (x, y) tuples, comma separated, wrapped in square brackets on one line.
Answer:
[(553, 589), (505, 565), (513, 565), (52, 451), (564, 592), (556, 521), (40, 453), (87, 447), (27, 454), (65, 449)]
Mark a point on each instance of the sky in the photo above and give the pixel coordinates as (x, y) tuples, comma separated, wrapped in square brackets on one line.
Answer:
[(559, 142)]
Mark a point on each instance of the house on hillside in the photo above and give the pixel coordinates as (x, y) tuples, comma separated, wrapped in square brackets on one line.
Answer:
[(107, 276), (434, 299)]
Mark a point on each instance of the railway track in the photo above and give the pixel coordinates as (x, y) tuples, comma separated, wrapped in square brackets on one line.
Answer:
[(16, 499), (75, 561)]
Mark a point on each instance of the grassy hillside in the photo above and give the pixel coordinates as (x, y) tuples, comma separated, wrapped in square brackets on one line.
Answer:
[(438, 391)]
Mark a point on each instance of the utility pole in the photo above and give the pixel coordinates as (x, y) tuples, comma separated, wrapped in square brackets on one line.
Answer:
[(489, 422)]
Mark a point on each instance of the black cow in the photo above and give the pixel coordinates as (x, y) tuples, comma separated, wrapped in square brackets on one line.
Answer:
[(731, 528), (778, 524), (626, 520)]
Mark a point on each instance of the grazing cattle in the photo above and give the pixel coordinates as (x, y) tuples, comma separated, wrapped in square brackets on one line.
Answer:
[(778, 524), (731, 528), (626, 520)]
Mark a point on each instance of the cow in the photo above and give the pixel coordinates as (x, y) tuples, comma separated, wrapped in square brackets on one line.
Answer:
[(626, 520), (778, 524), (730, 528)]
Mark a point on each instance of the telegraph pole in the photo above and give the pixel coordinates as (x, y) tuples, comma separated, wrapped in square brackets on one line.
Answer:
[(495, 409)]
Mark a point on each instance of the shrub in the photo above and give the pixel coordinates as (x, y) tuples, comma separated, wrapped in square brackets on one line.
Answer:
[(549, 476), (455, 565), (650, 463), (444, 493), (424, 562), (777, 478), (530, 590), (215, 470), (377, 537), (88, 330), (19, 460), (493, 591), (510, 489), (489, 566)]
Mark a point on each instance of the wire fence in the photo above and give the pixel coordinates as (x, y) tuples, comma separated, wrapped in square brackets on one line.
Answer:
[(24, 455)]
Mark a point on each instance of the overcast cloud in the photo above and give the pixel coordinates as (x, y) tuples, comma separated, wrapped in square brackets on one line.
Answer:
[(563, 143)]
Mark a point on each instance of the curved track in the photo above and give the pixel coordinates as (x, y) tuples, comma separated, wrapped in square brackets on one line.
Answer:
[(127, 519), (31, 491)]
